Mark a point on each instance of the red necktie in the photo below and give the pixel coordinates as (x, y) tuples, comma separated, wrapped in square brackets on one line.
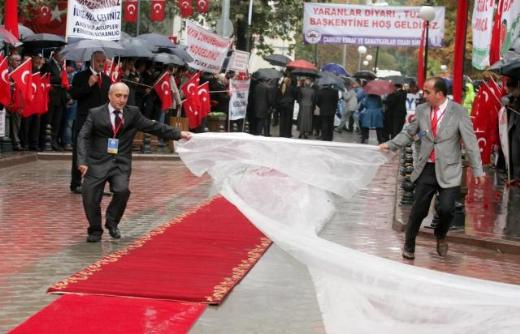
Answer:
[(434, 118), (118, 122), (100, 80)]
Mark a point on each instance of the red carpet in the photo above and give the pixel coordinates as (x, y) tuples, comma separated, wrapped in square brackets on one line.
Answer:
[(108, 315), (199, 257)]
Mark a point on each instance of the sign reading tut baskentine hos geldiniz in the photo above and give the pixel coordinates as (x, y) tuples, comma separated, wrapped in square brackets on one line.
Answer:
[(369, 25), (91, 19)]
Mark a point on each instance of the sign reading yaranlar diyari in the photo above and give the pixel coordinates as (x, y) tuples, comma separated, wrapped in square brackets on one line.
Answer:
[(94, 19)]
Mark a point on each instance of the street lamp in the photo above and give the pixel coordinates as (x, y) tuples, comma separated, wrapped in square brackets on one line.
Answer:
[(427, 13), (361, 51), (365, 62), (368, 58)]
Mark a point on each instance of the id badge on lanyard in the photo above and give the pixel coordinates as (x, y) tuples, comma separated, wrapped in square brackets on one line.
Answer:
[(113, 143)]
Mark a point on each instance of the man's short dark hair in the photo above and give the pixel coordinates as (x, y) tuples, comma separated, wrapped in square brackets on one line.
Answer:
[(439, 85)]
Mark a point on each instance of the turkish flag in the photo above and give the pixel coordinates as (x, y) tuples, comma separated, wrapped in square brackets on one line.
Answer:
[(484, 114), (35, 106), (191, 105), (5, 85), (47, 18), (22, 80), (64, 77), (494, 48), (204, 100), (107, 68), (164, 91), (202, 6), (157, 10), (420, 59), (42, 15), (45, 85), (117, 73), (185, 8), (130, 11)]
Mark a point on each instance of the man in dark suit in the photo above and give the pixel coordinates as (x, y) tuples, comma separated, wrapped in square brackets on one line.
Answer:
[(57, 101), (90, 90), (105, 154), (441, 124), (327, 99)]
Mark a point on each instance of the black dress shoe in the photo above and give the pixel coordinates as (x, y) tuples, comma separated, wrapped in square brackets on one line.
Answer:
[(93, 238), (114, 232), (76, 190)]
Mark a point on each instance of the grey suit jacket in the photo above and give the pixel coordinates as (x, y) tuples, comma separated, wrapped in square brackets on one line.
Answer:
[(454, 126), (93, 139)]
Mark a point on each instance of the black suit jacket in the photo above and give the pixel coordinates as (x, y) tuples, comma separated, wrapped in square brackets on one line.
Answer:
[(93, 139), (327, 99), (88, 97), (58, 94)]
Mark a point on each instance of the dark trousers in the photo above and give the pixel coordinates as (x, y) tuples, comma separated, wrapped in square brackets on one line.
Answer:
[(257, 126), (379, 134), (327, 127), (515, 152), (92, 193), (56, 114), (75, 175), (426, 187), (286, 116), (31, 132)]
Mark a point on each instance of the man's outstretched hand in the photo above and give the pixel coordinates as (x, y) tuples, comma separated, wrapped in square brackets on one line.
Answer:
[(186, 135), (383, 146)]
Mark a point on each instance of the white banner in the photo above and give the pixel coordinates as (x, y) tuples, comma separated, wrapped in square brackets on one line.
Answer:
[(2, 122), (510, 24), (482, 27), (207, 49), (94, 19), (503, 135), (239, 61), (239, 97), (369, 25), (412, 100)]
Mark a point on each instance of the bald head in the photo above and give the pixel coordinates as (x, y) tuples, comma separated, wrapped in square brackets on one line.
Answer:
[(118, 95)]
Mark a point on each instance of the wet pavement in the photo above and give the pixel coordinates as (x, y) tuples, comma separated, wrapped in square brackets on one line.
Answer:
[(43, 229)]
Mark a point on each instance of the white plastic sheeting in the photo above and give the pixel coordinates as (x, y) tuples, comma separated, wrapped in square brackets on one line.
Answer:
[(285, 188)]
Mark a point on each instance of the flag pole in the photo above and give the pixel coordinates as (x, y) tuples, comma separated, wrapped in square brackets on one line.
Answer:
[(459, 49)]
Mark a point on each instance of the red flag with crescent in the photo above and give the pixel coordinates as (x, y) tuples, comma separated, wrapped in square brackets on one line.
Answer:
[(5, 86), (202, 6), (42, 15), (45, 85), (130, 11), (117, 72), (164, 91), (191, 105), (46, 17), (185, 8), (64, 77), (22, 77), (204, 100), (157, 10), (11, 17), (36, 105), (484, 114)]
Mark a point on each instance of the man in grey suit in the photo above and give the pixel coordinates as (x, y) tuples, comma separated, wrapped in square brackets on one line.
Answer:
[(440, 124), (105, 154)]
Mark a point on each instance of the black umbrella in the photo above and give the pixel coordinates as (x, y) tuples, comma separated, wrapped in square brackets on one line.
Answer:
[(180, 51), (267, 74), (157, 40), (277, 59), (43, 40), (365, 74), (329, 79), (305, 73), (168, 58), (134, 47)]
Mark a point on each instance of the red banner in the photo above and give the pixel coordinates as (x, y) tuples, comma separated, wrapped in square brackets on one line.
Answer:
[(64, 77), (45, 89), (157, 10), (5, 87), (202, 6), (11, 17), (420, 60), (185, 8), (130, 11), (164, 91)]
